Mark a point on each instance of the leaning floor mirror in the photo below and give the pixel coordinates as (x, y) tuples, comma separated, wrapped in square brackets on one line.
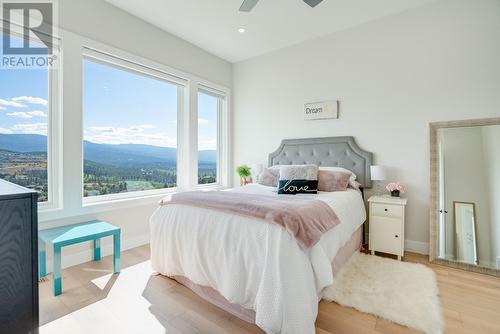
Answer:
[(465, 194)]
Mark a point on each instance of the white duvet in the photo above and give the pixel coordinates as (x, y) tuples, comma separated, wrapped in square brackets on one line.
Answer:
[(254, 263)]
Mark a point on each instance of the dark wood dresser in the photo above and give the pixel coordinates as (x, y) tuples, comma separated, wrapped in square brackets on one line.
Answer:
[(18, 260)]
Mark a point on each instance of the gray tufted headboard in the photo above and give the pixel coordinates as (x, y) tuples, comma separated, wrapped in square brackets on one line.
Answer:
[(326, 152)]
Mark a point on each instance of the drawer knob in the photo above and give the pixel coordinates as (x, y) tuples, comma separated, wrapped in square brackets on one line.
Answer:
[(396, 236), (385, 210)]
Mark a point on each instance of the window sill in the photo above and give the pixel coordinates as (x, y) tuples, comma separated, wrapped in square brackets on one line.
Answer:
[(48, 206), (135, 195), (112, 203)]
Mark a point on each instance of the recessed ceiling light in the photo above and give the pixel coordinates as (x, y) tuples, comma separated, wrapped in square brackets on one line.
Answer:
[(241, 30)]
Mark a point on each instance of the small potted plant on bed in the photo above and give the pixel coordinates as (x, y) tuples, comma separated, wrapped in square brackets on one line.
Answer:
[(244, 172), (395, 188)]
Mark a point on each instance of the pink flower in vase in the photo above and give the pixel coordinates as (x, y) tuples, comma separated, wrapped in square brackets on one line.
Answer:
[(395, 188)]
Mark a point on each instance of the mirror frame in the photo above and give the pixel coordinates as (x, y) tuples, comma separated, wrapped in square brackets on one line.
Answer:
[(434, 195)]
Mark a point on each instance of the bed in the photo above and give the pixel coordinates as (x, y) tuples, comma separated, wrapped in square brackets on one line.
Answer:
[(256, 270)]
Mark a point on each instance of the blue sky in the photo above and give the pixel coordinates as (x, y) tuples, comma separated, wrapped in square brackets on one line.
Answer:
[(123, 107), (207, 122), (118, 107), (23, 101)]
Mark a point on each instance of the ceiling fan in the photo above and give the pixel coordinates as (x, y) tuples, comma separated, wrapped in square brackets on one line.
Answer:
[(248, 5)]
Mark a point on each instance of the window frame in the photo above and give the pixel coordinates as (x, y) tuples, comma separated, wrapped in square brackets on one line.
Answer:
[(221, 155), (66, 131), (136, 68), (224, 156), (54, 128), (54, 137)]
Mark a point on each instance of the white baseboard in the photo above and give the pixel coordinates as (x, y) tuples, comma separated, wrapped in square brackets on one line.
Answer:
[(73, 259), (417, 247)]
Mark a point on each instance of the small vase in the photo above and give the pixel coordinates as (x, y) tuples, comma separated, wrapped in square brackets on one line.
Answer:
[(395, 193), (244, 180)]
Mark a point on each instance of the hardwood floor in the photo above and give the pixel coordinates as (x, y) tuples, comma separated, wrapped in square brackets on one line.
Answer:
[(95, 301)]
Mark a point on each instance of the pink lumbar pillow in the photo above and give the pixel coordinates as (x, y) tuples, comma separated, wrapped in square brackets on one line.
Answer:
[(333, 180)]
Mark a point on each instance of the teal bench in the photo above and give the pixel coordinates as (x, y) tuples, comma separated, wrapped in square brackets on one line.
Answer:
[(59, 237)]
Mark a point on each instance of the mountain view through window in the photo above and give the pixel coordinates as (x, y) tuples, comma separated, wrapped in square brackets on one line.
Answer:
[(207, 138), (23, 128), (130, 131)]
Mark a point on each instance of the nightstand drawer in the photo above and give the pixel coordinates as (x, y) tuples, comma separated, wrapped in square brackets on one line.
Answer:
[(386, 235), (387, 210)]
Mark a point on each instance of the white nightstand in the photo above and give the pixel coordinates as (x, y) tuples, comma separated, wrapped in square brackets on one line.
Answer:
[(387, 225)]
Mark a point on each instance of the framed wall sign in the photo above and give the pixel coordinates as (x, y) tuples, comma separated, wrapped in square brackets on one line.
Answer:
[(321, 110)]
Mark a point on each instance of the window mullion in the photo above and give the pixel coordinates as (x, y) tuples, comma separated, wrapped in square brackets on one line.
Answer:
[(220, 147), (193, 136), (182, 139)]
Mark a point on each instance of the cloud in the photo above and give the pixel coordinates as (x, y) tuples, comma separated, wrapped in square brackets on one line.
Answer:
[(119, 130), (7, 103), (141, 128), (202, 121), (2, 108), (30, 100), (38, 113), (31, 128), (20, 114), (101, 129), (5, 131), (28, 114), (207, 143), (137, 134)]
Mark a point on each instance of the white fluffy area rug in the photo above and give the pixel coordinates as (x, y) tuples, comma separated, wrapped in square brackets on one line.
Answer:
[(402, 292)]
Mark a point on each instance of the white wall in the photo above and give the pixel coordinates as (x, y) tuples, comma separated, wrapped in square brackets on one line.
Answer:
[(392, 76), (96, 20)]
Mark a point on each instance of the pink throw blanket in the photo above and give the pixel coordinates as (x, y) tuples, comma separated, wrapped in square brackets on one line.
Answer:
[(304, 218)]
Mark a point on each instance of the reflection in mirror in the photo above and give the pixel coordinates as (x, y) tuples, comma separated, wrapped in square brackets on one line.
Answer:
[(465, 232), (468, 224)]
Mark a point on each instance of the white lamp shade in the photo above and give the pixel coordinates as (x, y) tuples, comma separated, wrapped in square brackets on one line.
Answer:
[(378, 173), (256, 169)]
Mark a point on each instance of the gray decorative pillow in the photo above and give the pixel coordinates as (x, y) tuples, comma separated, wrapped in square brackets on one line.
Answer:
[(269, 177), (296, 179)]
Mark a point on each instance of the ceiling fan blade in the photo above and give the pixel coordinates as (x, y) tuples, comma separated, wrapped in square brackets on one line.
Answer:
[(248, 5), (313, 3)]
